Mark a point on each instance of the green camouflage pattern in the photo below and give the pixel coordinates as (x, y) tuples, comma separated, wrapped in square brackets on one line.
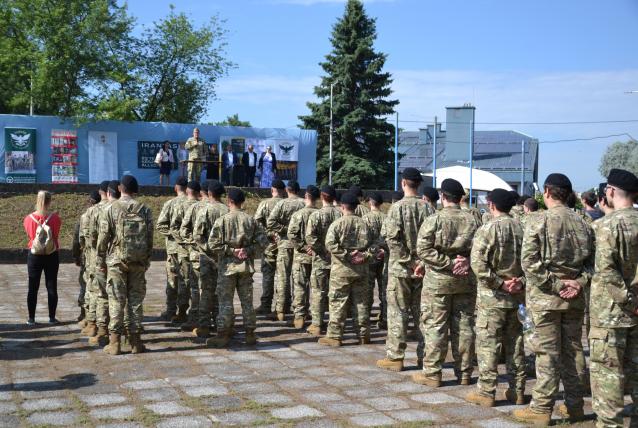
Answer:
[(183, 254), (377, 273), (302, 261), (269, 260), (174, 281), (361, 210)]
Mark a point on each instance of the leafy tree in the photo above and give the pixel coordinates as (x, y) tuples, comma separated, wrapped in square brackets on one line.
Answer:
[(363, 140), (233, 121), (620, 155)]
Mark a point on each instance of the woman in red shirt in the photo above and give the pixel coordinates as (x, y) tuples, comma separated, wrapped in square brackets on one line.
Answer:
[(37, 263)]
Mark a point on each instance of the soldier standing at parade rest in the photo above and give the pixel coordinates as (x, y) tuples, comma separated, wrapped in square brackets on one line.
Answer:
[(487, 215), (234, 242), (361, 209), (316, 230), (557, 258), (496, 262), (518, 211), (448, 299), (81, 254), (302, 261), (173, 276), (430, 196), (277, 227), (379, 250), (269, 259), (465, 206), (124, 246), (614, 304), (405, 273), (197, 151), (348, 240)]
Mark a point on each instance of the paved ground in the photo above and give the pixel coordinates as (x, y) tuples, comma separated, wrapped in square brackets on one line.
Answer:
[(51, 376)]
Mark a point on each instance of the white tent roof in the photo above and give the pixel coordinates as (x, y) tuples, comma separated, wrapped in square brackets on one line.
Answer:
[(481, 180)]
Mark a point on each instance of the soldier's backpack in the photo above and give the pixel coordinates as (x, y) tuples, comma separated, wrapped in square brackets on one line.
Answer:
[(133, 234), (43, 242)]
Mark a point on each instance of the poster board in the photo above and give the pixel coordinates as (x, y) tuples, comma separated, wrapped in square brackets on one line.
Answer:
[(147, 150), (19, 156), (64, 156), (103, 163)]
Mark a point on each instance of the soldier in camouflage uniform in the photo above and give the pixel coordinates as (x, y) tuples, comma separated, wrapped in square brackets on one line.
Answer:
[(378, 274), (487, 215), (82, 256), (277, 227), (448, 299), (361, 208), (430, 196), (269, 259), (316, 230), (124, 245), (348, 240), (518, 211), (235, 241), (465, 206), (174, 280), (197, 151), (405, 275), (614, 303), (496, 262), (557, 258), (302, 261)]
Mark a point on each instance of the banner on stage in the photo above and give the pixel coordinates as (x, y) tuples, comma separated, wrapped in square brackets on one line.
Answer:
[(147, 150), (19, 155)]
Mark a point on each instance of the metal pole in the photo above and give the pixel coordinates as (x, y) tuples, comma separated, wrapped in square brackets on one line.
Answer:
[(434, 155), (522, 189), (330, 155), (471, 156), (396, 154), (31, 95)]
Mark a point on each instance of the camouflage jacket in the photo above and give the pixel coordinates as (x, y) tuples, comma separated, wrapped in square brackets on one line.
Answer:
[(443, 236), (374, 220), (90, 229), (316, 230), (486, 217), (279, 219), (400, 230), (234, 230), (178, 214), (77, 247), (164, 223), (517, 212), (345, 235), (261, 215), (496, 256), (361, 210), (187, 227), (297, 234), (196, 148), (557, 245), (109, 251), (206, 218), (614, 288)]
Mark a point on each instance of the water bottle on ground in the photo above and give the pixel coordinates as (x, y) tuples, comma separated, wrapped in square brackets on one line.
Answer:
[(528, 326)]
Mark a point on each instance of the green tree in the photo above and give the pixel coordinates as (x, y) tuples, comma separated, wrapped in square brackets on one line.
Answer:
[(620, 155), (363, 139), (233, 121)]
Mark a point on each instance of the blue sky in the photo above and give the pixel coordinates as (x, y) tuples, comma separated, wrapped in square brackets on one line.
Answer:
[(516, 61)]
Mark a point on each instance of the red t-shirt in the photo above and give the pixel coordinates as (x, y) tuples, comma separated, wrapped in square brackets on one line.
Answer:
[(31, 226)]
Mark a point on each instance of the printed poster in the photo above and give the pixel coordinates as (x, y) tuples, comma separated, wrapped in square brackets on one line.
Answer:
[(102, 156), (19, 156)]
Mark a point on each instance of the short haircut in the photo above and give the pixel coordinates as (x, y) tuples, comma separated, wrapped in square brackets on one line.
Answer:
[(589, 198), (502, 208), (349, 207), (412, 184), (455, 199), (559, 193), (531, 204)]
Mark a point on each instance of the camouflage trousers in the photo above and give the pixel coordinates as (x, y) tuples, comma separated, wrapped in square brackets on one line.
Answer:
[(99, 299), (557, 343), (268, 266), (378, 276), (301, 282), (226, 286), (498, 329), (342, 291), (403, 298), (82, 281), (194, 171), (206, 296), (614, 369), (283, 288), (126, 287), (175, 289), (319, 284), (443, 317), (187, 278)]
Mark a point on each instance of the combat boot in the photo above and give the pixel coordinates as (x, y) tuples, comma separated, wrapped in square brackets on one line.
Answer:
[(251, 338), (90, 330), (113, 348), (167, 315), (476, 397), (299, 322), (82, 324), (263, 310), (82, 314), (327, 341), (464, 380), (280, 316), (187, 326), (515, 397), (315, 330), (201, 332), (574, 414), (220, 341), (389, 364), (181, 316), (531, 417), (101, 338), (422, 379), (137, 346)]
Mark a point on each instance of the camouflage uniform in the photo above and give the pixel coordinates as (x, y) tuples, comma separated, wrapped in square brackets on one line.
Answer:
[(496, 257), (517, 212), (79, 251), (447, 301), (98, 278), (377, 270), (475, 213), (126, 283), (557, 245), (183, 253), (348, 282), (302, 262), (614, 324), (277, 225), (316, 230), (361, 210), (269, 259), (486, 218), (175, 289), (232, 231), (197, 150), (403, 293)]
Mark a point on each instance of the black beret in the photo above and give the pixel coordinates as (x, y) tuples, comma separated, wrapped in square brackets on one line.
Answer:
[(350, 198), (559, 180), (514, 194), (376, 197), (356, 190), (194, 185), (278, 184), (329, 190), (104, 186), (236, 195), (503, 198), (601, 190), (181, 181), (622, 179), (113, 185), (313, 191), (412, 174), (293, 185), (216, 188), (452, 187), (95, 196), (431, 193), (130, 184)]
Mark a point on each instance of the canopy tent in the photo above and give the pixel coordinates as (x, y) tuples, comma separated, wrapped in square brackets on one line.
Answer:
[(481, 180)]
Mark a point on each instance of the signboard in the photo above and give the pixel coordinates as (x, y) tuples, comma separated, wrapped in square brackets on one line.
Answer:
[(64, 156), (102, 156), (147, 150), (238, 143), (19, 156)]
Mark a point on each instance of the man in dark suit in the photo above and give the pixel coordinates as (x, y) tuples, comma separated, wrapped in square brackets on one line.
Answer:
[(229, 162), (249, 160)]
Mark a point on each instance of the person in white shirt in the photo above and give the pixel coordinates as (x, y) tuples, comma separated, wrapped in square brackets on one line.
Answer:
[(166, 161)]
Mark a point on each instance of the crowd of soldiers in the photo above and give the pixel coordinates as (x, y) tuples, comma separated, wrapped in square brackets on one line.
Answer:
[(460, 276)]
